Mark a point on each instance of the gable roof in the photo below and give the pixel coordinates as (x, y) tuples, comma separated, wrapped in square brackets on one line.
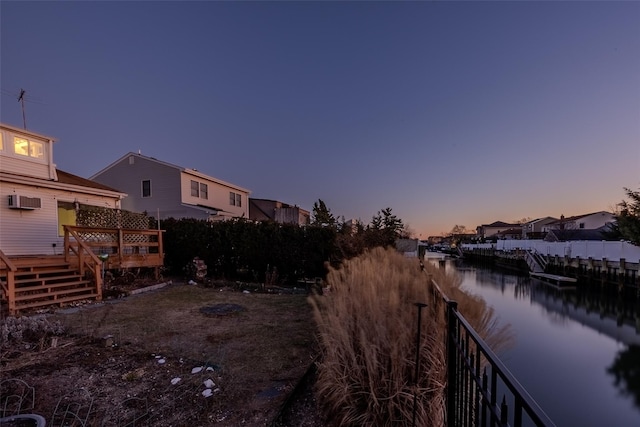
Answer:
[(193, 172), (576, 234), (577, 217), (65, 181), (68, 178), (500, 224)]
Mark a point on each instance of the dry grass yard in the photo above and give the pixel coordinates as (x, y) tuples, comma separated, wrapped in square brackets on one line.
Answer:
[(157, 359)]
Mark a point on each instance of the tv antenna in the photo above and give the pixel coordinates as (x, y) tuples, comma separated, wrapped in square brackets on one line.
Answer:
[(21, 100)]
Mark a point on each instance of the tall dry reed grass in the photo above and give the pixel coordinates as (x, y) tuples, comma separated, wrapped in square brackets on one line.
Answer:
[(367, 329)]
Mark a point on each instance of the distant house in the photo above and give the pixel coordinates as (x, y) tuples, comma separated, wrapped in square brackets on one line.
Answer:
[(574, 234), (272, 210), (489, 230), (37, 199), (509, 234), (533, 229), (169, 191), (589, 221)]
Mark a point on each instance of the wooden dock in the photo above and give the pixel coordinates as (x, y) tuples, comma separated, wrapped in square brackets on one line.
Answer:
[(554, 279)]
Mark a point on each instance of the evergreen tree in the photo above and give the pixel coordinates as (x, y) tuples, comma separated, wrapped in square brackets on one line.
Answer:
[(628, 218), (322, 215)]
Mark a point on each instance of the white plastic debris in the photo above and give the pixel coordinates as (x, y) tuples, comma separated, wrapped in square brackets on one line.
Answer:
[(246, 292), (176, 380), (196, 369), (192, 282), (209, 368), (209, 383), (158, 357), (217, 390), (207, 392), (161, 361)]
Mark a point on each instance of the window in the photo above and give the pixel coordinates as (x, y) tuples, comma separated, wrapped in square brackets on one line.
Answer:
[(26, 147), (194, 189), (1, 143), (235, 199), (204, 191), (146, 188), (581, 225)]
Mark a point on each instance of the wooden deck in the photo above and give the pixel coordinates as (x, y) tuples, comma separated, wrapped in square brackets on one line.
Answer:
[(28, 282)]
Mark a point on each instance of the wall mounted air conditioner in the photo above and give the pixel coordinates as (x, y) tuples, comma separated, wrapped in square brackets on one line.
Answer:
[(22, 202)]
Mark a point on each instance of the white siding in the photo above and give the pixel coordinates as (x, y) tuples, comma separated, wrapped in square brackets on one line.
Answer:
[(33, 232), (218, 196), (23, 165)]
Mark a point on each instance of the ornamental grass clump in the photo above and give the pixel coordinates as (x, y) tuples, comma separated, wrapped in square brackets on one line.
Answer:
[(367, 328)]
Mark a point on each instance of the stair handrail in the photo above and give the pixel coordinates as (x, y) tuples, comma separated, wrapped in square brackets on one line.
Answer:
[(10, 265), (10, 287), (96, 266)]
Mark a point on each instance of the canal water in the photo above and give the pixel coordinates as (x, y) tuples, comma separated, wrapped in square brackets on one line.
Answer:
[(577, 354)]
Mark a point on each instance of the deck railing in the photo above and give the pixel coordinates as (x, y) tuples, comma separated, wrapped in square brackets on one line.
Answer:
[(480, 389), (120, 248), (86, 259)]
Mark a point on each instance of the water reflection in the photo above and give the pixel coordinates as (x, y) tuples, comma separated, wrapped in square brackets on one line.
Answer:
[(626, 372), (577, 352)]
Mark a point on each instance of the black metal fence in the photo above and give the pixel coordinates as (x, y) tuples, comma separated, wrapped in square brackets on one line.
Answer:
[(480, 389)]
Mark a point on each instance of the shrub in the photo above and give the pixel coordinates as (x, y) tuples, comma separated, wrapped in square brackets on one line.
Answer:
[(367, 329), (28, 330)]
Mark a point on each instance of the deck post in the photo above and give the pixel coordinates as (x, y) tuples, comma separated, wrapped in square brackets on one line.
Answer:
[(11, 292)]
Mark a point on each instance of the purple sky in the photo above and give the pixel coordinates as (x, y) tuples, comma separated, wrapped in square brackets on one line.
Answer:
[(449, 112)]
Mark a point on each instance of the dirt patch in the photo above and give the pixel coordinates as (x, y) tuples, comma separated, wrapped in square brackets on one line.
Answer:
[(155, 359)]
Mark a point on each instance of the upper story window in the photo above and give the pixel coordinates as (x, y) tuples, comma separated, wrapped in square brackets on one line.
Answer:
[(27, 147), (204, 191), (195, 189), (235, 199), (146, 188), (581, 225)]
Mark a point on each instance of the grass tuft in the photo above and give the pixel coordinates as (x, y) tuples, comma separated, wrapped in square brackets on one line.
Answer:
[(367, 325)]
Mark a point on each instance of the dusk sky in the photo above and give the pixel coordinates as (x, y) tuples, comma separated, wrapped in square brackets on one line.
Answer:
[(448, 112)]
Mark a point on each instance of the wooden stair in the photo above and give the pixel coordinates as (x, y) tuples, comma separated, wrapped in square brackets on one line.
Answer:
[(46, 281)]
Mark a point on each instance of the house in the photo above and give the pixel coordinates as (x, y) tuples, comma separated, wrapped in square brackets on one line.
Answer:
[(489, 230), (165, 190), (53, 226), (533, 228), (590, 221), (37, 198), (514, 233), (272, 210), (573, 234)]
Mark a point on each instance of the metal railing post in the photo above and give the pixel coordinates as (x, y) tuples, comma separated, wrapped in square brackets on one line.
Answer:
[(452, 359)]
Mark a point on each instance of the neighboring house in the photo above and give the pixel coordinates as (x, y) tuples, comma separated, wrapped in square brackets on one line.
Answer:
[(533, 229), (489, 230), (509, 234), (577, 234), (272, 210), (165, 190), (36, 199), (589, 221)]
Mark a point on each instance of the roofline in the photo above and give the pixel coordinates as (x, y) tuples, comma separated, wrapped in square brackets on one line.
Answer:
[(199, 174), (171, 165), (21, 179), (27, 132)]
